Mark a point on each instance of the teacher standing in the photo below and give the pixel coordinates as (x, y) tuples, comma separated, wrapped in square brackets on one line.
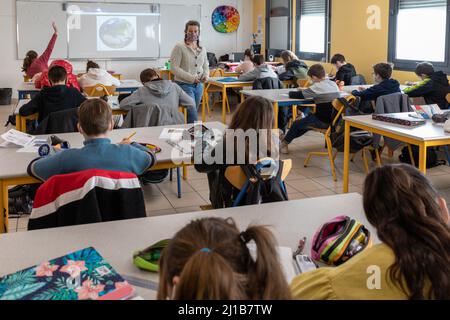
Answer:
[(190, 66)]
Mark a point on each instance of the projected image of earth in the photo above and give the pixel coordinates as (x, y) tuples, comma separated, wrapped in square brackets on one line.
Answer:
[(117, 33)]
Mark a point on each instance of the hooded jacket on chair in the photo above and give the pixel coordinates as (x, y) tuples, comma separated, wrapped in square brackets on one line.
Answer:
[(72, 80)]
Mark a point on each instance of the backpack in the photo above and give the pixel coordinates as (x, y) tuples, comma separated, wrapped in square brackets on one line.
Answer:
[(358, 139), (432, 157), (259, 190), (339, 239), (20, 200)]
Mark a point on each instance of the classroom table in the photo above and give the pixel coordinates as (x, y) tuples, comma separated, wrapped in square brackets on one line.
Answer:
[(13, 169), (349, 89), (21, 121), (428, 135), (126, 86), (116, 241), (216, 82)]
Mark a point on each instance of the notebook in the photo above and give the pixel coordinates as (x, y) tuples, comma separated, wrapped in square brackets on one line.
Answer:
[(81, 275), (427, 111), (228, 79)]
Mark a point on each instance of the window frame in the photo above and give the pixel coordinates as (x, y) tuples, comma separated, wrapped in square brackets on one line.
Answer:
[(289, 33), (410, 65), (314, 56)]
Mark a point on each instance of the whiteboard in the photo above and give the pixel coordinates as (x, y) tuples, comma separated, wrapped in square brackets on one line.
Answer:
[(114, 31), (34, 28), (173, 21)]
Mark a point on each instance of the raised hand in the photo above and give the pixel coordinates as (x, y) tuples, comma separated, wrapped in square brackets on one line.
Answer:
[(55, 28)]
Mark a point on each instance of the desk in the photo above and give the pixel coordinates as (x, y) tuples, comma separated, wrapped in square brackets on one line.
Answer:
[(126, 86), (349, 89), (429, 135), (21, 121), (279, 98), (116, 241), (13, 169), (215, 82)]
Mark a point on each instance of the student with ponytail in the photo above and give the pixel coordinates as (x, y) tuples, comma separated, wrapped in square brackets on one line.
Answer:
[(34, 64), (413, 260), (209, 260)]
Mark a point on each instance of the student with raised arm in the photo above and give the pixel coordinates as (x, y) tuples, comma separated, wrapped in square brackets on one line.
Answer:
[(34, 64), (190, 65), (413, 259), (209, 260)]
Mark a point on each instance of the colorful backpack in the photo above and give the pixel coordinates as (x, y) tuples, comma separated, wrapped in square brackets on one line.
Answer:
[(340, 239)]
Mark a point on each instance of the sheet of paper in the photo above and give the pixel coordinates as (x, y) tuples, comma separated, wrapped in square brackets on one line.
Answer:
[(32, 147), (172, 134), (17, 137)]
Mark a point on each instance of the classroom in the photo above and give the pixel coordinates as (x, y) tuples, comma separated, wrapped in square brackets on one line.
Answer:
[(225, 150)]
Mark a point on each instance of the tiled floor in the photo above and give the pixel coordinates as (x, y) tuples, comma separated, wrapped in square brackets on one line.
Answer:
[(313, 181)]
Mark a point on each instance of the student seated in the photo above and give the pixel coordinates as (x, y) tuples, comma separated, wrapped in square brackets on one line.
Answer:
[(161, 92), (209, 260), (247, 65), (71, 81), (95, 75), (295, 69), (55, 98), (413, 259), (323, 91), (384, 85), (254, 115), (262, 70), (434, 86), (345, 71), (94, 123)]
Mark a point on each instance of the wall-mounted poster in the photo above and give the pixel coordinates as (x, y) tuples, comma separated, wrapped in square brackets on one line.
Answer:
[(226, 19)]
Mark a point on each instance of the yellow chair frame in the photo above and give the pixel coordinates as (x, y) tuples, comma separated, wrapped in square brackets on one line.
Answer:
[(99, 90)]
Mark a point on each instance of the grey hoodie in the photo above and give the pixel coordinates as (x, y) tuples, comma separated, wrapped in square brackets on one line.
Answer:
[(163, 93), (263, 71)]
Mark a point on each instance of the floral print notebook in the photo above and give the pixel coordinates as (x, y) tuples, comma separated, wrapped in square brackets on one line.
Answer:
[(81, 275)]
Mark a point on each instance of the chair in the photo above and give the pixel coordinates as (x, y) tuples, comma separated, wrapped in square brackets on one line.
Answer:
[(340, 108), (358, 80), (238, 179), (100, 90), (88, 196), (212, 89), (448, 98)]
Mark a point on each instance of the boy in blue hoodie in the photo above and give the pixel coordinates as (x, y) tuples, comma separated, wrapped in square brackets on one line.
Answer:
[(384, 85)]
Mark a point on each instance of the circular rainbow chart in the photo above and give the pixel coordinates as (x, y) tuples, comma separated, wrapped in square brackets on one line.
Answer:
[(226, 19)]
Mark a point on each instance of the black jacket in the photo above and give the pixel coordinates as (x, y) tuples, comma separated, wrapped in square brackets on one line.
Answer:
[(381, 89), (346, 73), (267, 83), (291, 67), (434, 90), (51, 99), (64, 121)]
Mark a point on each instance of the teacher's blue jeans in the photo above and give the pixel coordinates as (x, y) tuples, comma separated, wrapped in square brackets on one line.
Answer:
[(195, 91)]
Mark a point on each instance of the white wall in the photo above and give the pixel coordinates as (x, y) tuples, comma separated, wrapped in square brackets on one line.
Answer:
[(10, 75)]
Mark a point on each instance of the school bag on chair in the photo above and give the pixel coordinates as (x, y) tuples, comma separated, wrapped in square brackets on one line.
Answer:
[(359, 139), (340, 239), (264, 183)]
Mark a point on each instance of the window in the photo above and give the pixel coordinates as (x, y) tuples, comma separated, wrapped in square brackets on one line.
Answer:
[(313, 29), (279, 24), (419, 31)]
